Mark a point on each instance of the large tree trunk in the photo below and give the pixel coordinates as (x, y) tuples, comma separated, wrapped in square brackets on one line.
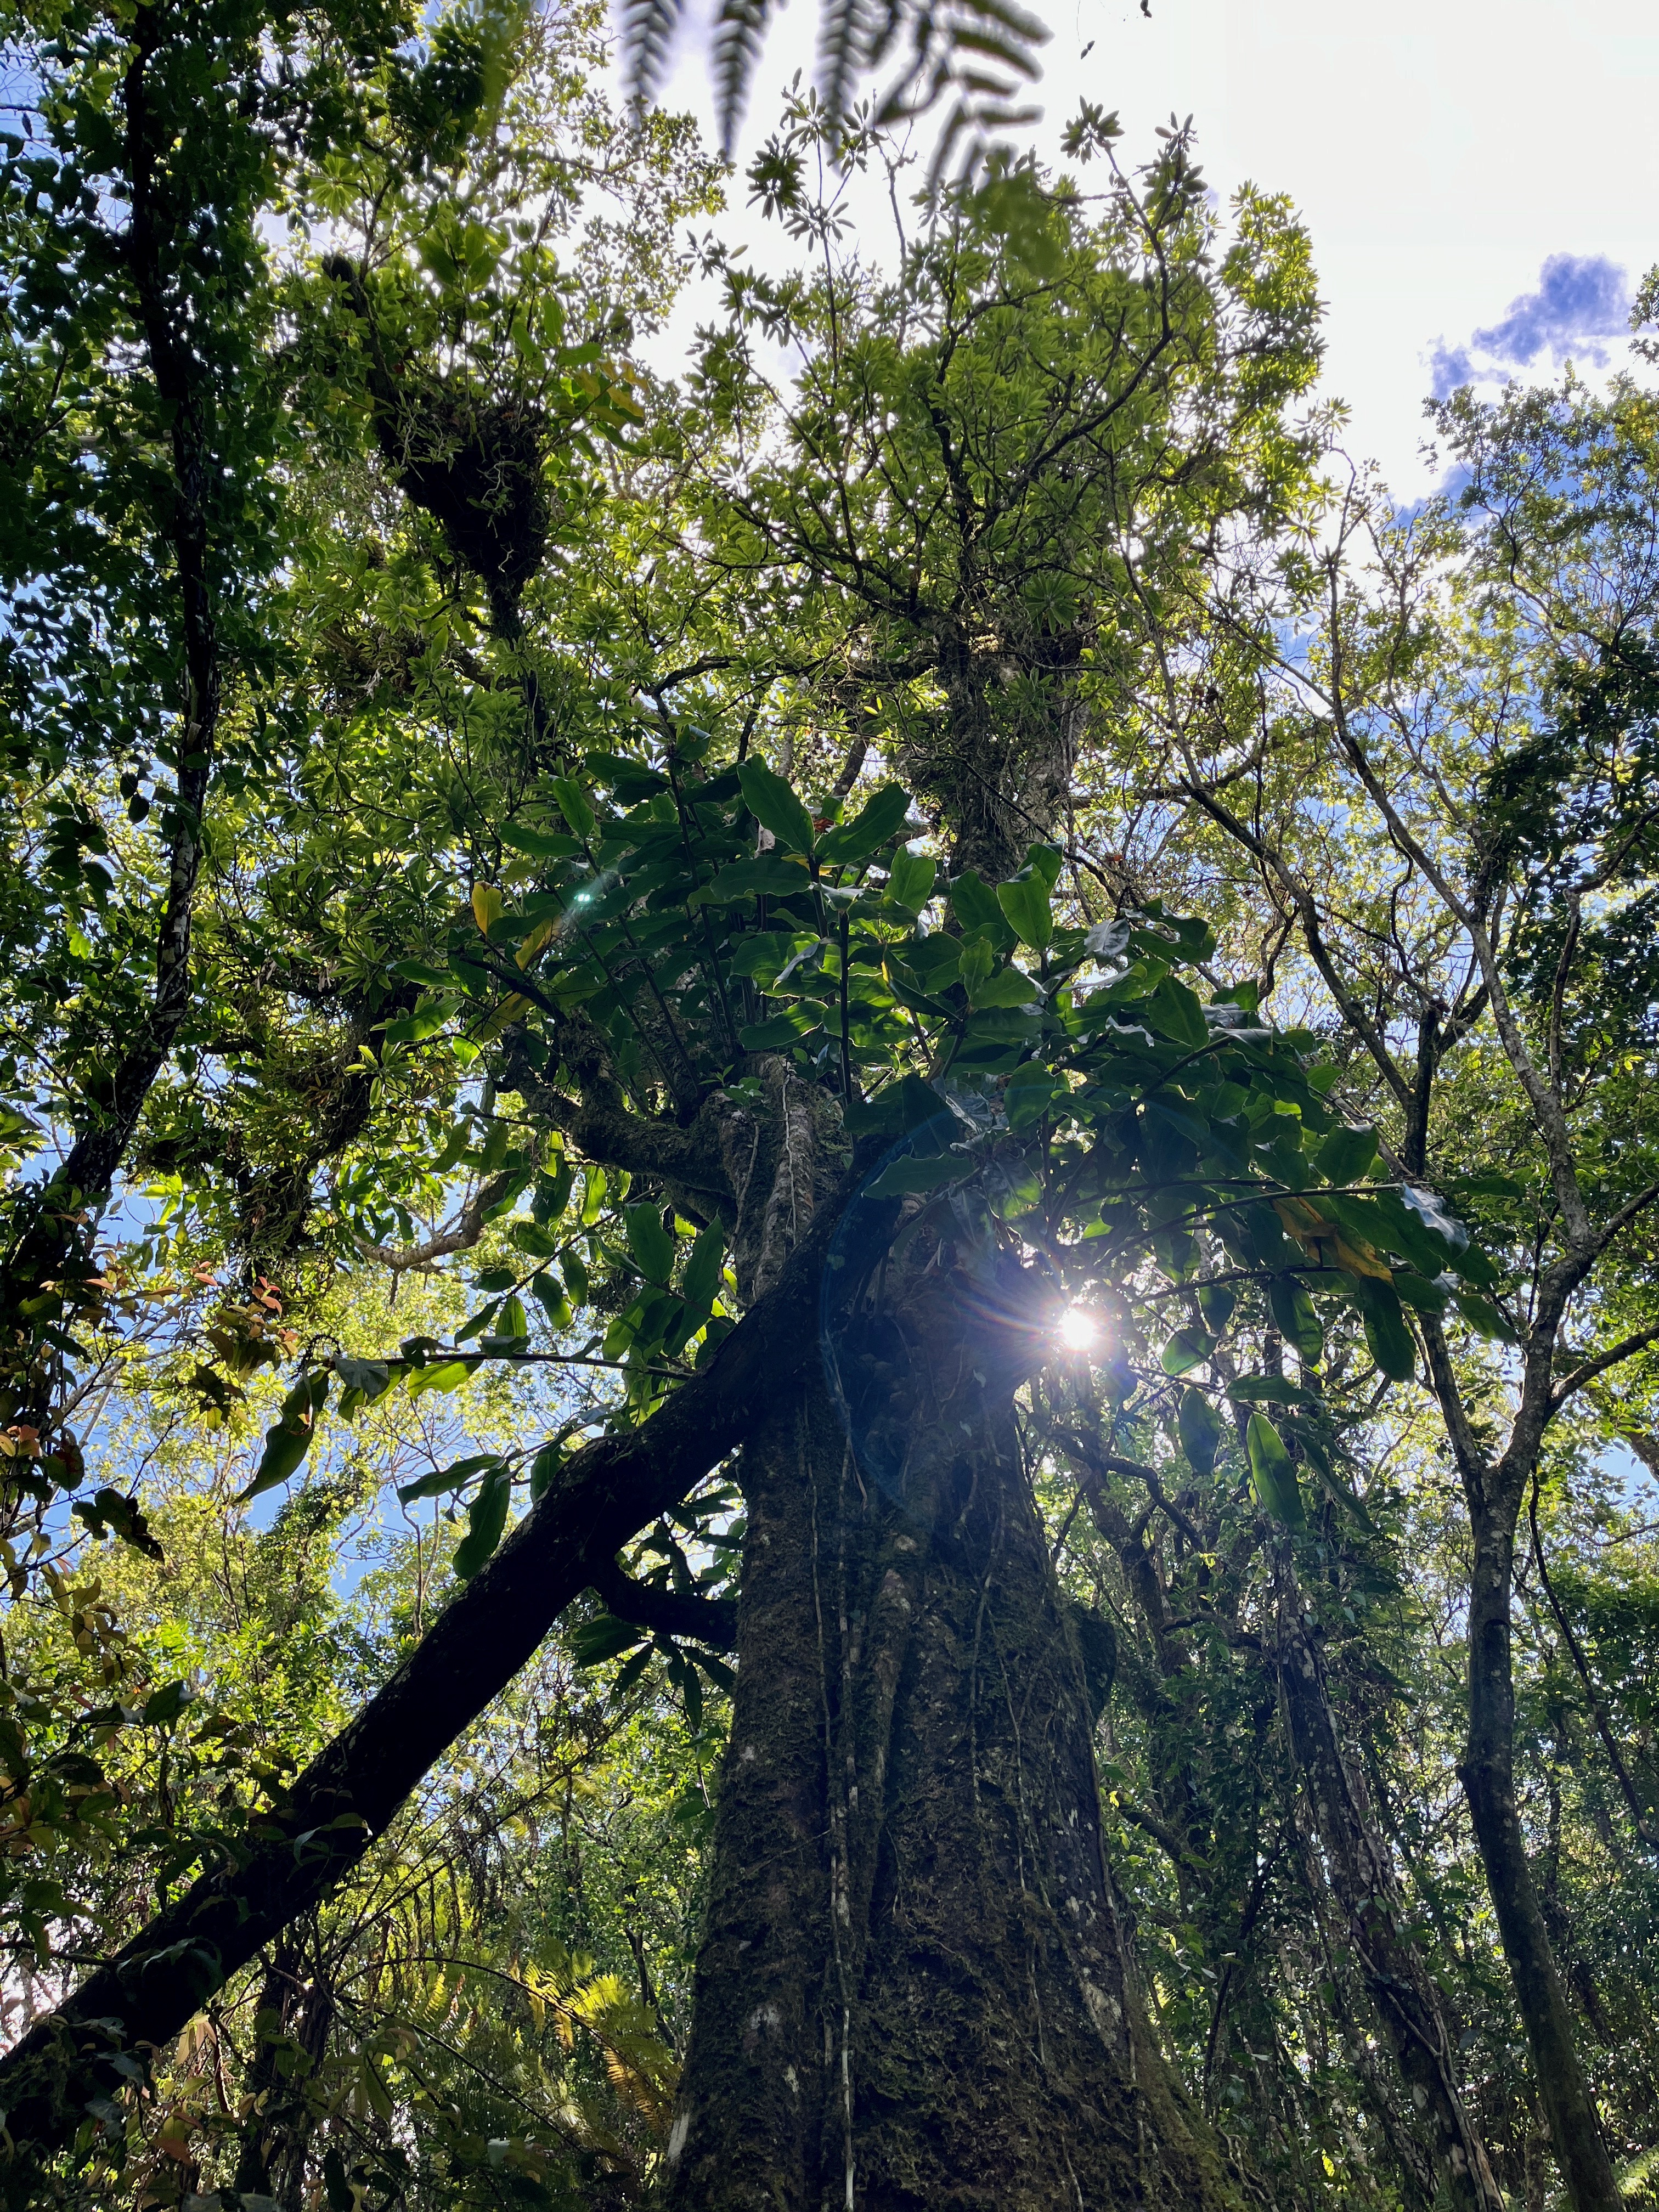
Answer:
[(913, 1989), (1488, 1773)]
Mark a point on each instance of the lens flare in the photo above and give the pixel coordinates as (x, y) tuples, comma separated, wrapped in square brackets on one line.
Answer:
[(1079, 1331)]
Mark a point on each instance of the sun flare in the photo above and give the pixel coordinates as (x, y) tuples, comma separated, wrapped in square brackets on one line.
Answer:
[(1079, 1331)]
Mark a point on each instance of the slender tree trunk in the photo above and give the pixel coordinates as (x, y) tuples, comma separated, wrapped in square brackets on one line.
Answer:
[(1488, 1773), (914, 1989), (1362, 1879)]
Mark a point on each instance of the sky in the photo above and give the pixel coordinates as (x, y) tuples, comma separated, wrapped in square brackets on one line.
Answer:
[(1480, 177)]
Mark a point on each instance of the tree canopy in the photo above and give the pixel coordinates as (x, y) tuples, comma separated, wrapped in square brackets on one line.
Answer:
[(828, 1186)]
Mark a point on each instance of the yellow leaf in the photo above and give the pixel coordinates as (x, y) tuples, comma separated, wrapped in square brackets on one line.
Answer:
[(503, 1018), (533, 943), (1360, 1259), (487, 905)]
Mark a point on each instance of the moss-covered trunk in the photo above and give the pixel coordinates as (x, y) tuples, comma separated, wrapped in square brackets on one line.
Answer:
[(912, 1989)]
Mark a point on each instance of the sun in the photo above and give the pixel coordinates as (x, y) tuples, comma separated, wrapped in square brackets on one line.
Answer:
[(1079, 1331)]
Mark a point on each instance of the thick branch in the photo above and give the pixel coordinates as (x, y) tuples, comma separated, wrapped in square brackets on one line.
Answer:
[(710, 1621), (462, 1234), (351, 1791)]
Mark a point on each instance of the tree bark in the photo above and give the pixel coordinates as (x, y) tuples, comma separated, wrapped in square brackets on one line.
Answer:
[(1488, 1773), (1361, 1880), (913, 1989)]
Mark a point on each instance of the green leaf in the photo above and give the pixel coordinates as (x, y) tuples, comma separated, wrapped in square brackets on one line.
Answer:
[(288, 1442), (538, 844), (775, 1036), (1273, 1473), (908, 1173), (283, 1455), (594, 1186), (775, 806), (513, 1321), (1483, 1317), (701, 1283), (574, 1268), (651, 1244), (163, 1706), (771, 873), (543, 1468), (1008, 987), (1268, 1390), (1187, 1348), (1386, 1332), (573, 805), (1201, 1430), (1294, 1317), (910, 879), (882, 819), (448, 1375), (1174, 1011), (547, 1288), (1346, 1155), (1026, 903), (485, 1521), (443, 1479), (593, 1642), (976, 908)]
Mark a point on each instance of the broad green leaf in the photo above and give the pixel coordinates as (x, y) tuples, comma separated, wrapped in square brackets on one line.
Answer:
[(775, 806), (574, 1268), (776, 1035), (543, 1468), (289, 1440), (1273, 1473), (882, 819), (976, 908), (1045, 862), (593, 1642), (910, 879), (1187, 1348), (573, 805), (1386, 1332), (1294, 1317), (1025, 903), (1346, 1155), (537, 844), (448, 1375), (773, 874), (485, 1521), (1174, 1011), (1483, 1317), (1268, 1390), (594, 1186), (701, 1283), (908, 1173), (1008, 987), (1201, 1430), (651, 1244), (443, 1479)]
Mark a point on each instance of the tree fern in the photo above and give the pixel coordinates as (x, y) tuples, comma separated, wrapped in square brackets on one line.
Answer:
[(978, 56)]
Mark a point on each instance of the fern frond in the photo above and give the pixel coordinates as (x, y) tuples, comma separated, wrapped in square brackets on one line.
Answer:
[(851, 35), (740, 34), (949, 43), (648, 28)]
